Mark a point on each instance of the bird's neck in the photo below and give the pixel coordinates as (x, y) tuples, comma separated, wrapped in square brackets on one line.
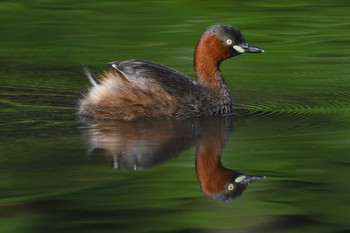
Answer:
[(208, 56)]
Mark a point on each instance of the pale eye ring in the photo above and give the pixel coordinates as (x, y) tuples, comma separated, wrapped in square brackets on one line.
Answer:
[(230, 187), (229, 41)]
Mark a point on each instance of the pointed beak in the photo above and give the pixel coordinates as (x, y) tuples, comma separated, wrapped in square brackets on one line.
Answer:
[(247, 48), (243, 179)]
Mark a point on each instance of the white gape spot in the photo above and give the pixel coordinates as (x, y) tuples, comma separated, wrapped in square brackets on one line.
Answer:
[(240, 178), (238, 48)]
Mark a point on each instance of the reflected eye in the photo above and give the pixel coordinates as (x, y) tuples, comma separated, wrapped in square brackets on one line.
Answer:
[(230, 187), (229, 41)]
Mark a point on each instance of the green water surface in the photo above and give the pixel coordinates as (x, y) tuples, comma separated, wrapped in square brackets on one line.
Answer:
[(295, 126)]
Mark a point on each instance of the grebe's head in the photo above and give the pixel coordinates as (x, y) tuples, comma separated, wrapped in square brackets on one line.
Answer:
[(224, 41), (235, 186)]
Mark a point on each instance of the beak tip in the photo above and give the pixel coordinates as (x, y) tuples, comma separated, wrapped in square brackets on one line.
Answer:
[(248, 48), (251, 179)]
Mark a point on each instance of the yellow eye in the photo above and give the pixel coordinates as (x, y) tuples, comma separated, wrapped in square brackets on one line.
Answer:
[(229, 41), (230, 187)]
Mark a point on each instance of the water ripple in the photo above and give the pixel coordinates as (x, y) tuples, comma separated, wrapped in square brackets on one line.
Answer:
[(287, 109)]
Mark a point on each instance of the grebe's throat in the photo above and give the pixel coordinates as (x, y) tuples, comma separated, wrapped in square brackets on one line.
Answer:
[(209, 53)]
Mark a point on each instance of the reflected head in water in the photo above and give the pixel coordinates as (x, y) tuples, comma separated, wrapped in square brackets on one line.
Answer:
[(216, 181), (229, 187)]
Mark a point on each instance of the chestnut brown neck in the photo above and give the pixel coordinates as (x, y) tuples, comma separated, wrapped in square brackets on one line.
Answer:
[(210, 173), (209, 53)]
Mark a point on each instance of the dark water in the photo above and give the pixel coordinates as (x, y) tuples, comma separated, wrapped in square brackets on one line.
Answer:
[(62, 174)]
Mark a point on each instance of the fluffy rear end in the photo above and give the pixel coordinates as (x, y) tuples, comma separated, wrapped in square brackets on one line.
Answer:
[(116, 97)]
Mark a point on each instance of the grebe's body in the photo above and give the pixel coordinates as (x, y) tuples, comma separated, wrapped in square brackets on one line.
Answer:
[(135, 89)]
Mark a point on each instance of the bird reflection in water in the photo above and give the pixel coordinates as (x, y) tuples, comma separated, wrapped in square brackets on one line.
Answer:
[(216, 181), (142, 144)]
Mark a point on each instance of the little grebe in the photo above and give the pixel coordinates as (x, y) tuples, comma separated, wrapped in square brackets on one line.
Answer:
[(135, 89)]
